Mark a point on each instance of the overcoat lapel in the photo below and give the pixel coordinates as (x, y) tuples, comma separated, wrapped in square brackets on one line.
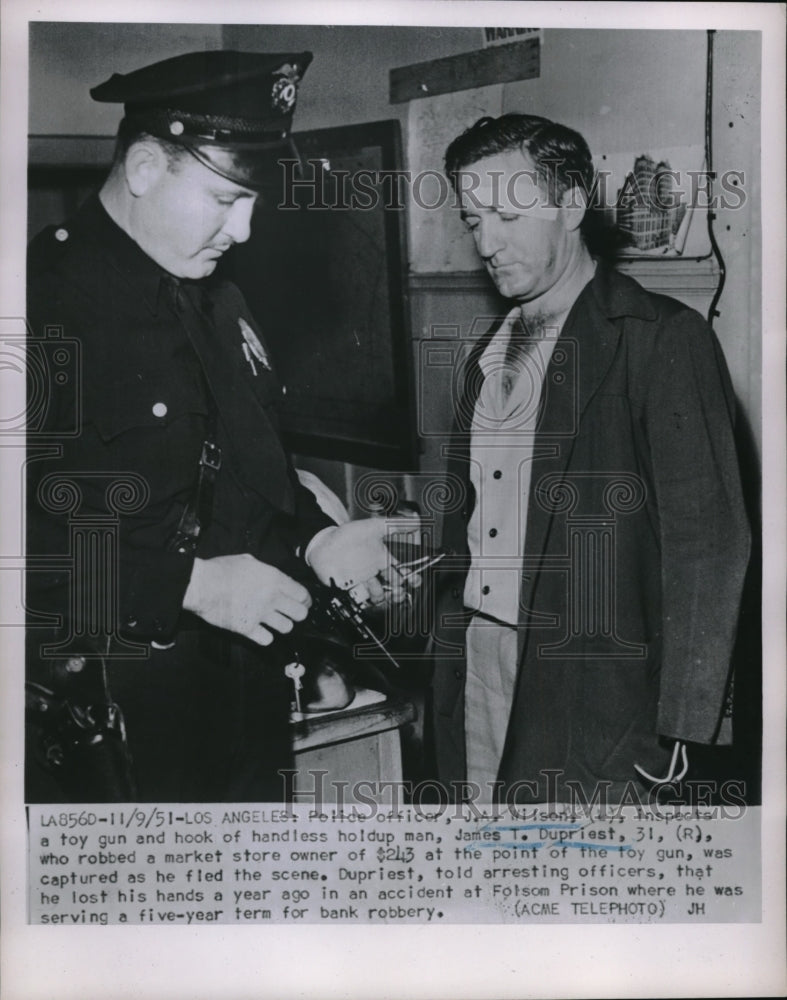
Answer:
[(589, 341), (457, 450)]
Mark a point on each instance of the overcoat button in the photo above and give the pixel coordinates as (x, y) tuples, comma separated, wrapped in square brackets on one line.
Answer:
[(159, 409), (61, 235)]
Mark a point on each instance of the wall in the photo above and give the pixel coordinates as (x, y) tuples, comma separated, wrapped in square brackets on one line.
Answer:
[(347, 82), (67, 59), (737, 146)]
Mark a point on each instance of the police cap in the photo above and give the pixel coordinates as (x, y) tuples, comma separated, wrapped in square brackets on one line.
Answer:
[(232, 110)]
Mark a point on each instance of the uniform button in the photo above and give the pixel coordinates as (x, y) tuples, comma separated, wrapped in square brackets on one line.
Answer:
[(159, 409), (131, 621), (157, 625), (455, 593), (61, 235), (284, 390), (176, 128), (493, 532), (458, 674), (497, 474), (485, 590)]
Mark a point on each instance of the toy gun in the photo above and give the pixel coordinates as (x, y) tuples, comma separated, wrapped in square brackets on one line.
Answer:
[(337, 622), (339, 610)]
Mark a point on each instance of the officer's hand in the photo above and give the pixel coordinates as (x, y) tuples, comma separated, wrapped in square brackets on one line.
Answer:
[(244, 595), (353, 556)]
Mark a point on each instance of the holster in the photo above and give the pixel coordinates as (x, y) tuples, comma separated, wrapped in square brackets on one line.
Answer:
[(78, 734)]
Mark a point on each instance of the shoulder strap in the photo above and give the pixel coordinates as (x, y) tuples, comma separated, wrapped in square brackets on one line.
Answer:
[(198, 511)]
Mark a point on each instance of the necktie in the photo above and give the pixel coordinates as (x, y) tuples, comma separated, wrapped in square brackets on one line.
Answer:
[(520, 357)]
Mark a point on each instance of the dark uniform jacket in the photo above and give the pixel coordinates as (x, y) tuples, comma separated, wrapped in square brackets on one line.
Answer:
[(635, 551), (114, 446)]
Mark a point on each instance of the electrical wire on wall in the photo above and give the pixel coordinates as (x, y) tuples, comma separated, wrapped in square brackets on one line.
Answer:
[(712, 310)]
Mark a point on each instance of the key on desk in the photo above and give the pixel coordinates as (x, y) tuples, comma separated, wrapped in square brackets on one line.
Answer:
[(295, 671)]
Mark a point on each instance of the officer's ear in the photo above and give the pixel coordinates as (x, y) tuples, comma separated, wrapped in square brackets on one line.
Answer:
[(144, 164), (573, 205)]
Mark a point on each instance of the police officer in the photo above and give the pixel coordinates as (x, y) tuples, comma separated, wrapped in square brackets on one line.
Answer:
[(169, 453)]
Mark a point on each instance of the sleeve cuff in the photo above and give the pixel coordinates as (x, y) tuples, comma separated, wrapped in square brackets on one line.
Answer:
[(320, 534), (151, 598)]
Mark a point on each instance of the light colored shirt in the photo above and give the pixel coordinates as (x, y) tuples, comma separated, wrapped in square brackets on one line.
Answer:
[(501, 457)]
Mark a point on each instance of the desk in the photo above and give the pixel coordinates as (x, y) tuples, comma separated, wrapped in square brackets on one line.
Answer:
[(351, 745)]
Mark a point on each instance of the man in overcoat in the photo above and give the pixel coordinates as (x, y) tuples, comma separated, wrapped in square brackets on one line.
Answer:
[(584, 630), (167, 533)]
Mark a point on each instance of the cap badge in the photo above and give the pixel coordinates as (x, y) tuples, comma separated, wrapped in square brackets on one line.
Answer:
[(252, 346), (285, 89)]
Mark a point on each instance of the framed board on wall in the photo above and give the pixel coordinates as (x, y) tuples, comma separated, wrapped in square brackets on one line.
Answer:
[(324, 274)]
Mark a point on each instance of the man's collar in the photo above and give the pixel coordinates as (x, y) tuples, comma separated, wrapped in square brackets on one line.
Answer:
[(123, 254), (618, 295)]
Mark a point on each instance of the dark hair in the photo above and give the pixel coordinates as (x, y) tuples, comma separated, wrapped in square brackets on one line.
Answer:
[(560, 155), (129, 133)]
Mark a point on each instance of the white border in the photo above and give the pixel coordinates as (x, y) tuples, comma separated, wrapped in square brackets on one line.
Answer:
[(236, 963)]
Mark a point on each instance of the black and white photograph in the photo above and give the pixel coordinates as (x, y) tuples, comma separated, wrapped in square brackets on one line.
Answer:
[(393, 500)]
